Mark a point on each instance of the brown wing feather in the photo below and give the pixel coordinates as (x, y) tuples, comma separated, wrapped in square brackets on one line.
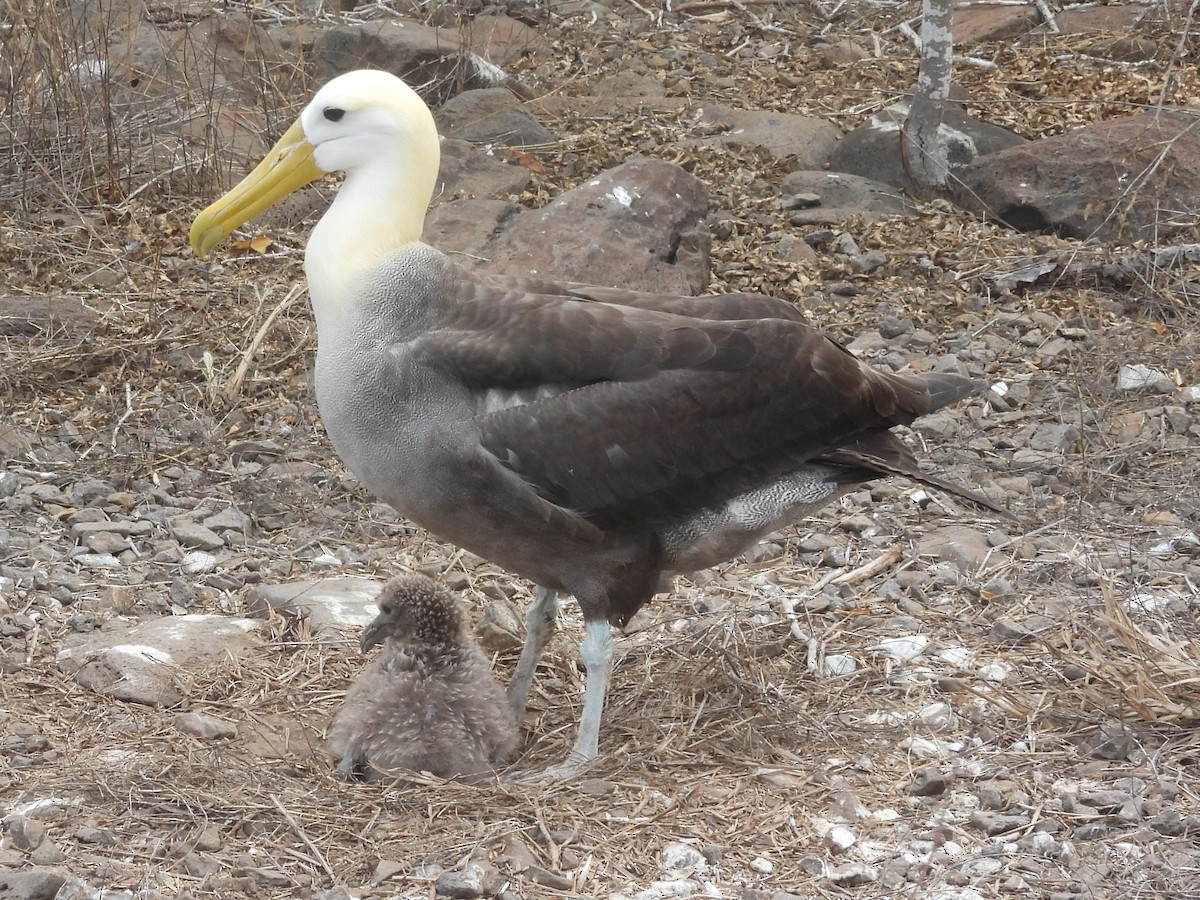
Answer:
[(666, 445), (653, 409), (495, 338), (724, 307)]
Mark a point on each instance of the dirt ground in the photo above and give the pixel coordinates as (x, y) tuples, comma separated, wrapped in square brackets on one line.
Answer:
[(1041, 743)]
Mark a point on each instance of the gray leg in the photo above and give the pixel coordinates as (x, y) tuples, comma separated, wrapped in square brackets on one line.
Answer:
[(596, 651), (539, 625)]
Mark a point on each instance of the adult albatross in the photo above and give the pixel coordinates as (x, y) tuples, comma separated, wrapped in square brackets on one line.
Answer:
[(594, 440)]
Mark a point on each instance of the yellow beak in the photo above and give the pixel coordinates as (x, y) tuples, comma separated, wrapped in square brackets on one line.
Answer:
[(287, 168)]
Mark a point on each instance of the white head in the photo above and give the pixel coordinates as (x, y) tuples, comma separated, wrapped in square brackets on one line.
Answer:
[(369, 118), (368, 124)]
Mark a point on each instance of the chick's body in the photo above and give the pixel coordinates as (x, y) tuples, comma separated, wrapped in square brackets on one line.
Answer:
[(429, 701)]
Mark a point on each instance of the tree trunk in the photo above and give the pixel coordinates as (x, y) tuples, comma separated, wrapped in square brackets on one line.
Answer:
[(921, 143)]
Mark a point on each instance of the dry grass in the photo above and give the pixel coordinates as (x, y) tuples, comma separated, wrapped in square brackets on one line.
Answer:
[(718, 731), (717, 734)]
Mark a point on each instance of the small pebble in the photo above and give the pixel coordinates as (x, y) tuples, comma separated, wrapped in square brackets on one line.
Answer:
[(851, 874), (928, 782), (838, 665), (197, 562), (902, 649), (996, 671), (683, 856), (839, 839)]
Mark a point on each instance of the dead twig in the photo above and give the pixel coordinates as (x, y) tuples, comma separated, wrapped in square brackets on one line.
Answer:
[(303, 835), (233, 388)]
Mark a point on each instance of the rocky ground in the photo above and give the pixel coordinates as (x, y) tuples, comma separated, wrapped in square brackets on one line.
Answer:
[(903, 697)]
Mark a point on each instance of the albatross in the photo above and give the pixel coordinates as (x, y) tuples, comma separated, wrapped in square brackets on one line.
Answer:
[(429, 701), (595, 440)]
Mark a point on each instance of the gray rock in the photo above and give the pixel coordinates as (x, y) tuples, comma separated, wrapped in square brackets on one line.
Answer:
[(204, 726), (1051, 184), (1006, 631), (97, 560), (465, 227), (928, 782), (191, 533), (961, 545), (1090, 831), (467, 171), (668, 888), (471, 881), (998, 823), (1105, 801), (503, 40), (143, 663), (37, 884), (48, 853), (1136, 377), (228, 519), (106, 542), (409, 49), (328, 605), (125, 528), (25, 833), (873, 149), (848, 807), (839, 839), (812, 865), (1112, 741), (1168, 823), (1056, 437), (490, 115), (499, 628), (865, 263), (851, 874), (682, 856), (807, 140), (385, 869), (997, 589), (639, 225), (90, 834), (200, 865)]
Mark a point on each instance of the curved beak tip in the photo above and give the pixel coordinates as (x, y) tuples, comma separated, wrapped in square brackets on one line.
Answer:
[(202, 240), (370, 637), (287, 167)]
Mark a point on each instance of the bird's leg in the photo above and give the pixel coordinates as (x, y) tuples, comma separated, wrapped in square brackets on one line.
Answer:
[(596, 651), (539, 625)]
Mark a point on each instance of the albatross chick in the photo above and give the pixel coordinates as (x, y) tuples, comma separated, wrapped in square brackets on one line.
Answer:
[(428, 702), (597, 441)]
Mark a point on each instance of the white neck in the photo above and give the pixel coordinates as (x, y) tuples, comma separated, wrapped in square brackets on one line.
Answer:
[(380, 208)]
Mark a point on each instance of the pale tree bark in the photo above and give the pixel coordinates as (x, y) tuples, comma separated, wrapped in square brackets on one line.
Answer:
[(922, 145)]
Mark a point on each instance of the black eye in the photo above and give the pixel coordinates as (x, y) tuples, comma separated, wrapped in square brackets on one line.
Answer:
[(333, 114), (386, 609)]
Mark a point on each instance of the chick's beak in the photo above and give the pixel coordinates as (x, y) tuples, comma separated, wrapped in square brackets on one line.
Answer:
[(286, 168), (371, 635)]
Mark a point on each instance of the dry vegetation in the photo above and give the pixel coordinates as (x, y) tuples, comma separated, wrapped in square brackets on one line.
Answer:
[(719, 731)]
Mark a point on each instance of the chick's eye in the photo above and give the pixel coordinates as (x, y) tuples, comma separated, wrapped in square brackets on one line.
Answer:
[(333, 114), (386, 609)]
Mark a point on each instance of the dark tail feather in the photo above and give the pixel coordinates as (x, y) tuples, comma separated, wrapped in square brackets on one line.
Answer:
[(882, 453), (945, 388)]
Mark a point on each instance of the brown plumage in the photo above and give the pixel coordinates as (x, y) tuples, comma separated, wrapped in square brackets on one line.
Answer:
[(597, 441), (428, 702)]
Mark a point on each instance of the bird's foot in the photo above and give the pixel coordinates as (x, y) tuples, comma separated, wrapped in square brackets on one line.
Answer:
[(573, 766), (350, 768)]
